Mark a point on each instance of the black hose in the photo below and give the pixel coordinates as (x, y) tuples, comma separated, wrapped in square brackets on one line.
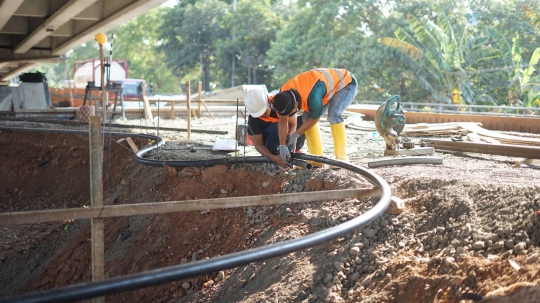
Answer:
[(194, 269)]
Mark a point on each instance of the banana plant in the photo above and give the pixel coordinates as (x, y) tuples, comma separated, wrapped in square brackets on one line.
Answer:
[(531, 84), (439, 60)]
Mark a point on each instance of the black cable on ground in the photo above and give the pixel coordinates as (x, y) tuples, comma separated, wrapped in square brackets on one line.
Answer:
[(194, 269)]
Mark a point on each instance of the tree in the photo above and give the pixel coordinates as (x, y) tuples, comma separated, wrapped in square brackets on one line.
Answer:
[(189, 33), (138, 41), (253, 25), (438, 58)]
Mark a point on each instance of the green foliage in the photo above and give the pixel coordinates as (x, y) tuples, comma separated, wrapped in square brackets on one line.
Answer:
[(189, 34), (253, 26), (138, 41), (438, 59)]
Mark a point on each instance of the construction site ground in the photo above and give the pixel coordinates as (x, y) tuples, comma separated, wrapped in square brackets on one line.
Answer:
[(469, 225)]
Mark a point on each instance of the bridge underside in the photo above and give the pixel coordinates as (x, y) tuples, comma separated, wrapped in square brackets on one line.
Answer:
[(36, 31)]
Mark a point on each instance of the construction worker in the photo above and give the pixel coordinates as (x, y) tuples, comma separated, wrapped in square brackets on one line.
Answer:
[(315, 93), (263, 126)]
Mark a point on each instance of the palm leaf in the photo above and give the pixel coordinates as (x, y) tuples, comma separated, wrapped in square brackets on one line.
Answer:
[(414, 58), (530, 69), (404, 47), (516, 55), (531, 15), (533, 94), (482, 54), (425, 84), (442, 98), (404, 36), (467, 91), (487, 100), (475, 43), (450, 47), (502, 44), (427, 41)]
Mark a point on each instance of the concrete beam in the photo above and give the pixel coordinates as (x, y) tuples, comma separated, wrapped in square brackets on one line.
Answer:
[(57, 19), (93, 13), (33, 9), (110, 21), (7, 9), (23, 68), (51, 59), (65, 30), (7, 64), (16, 25), (7, 56)]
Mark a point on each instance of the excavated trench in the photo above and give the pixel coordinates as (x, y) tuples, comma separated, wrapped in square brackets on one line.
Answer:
[(46, 171), (469, 225)]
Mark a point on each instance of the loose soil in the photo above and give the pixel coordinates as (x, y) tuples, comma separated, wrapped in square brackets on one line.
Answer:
[(468, 225)]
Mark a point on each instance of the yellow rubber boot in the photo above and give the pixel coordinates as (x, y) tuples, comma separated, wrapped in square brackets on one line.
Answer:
[(340, 141), (314, 143)]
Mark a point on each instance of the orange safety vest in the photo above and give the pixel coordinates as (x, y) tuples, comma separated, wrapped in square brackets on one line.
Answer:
[(334, 79), (268, 119)]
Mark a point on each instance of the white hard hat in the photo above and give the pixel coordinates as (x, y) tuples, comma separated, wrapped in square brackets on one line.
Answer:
[(256, 102)]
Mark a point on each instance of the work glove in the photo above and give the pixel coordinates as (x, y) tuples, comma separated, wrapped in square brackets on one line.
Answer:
[(292, 141), (284, 153)]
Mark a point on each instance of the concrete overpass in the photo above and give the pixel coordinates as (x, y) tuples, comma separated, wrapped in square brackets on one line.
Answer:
[(33, 32)]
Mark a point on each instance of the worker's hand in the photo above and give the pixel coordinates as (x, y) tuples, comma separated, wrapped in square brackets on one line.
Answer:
[(292, 141), (284, 153), (278, 161)]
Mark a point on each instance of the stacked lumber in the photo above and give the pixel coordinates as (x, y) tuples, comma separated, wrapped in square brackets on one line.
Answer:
[(509, 150), (419, 129), (502, 138)]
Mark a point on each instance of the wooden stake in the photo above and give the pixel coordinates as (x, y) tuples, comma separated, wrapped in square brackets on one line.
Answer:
[(200, 99), (147, 110), (188, 104), (172, 110), (96, 198), (132, 144)]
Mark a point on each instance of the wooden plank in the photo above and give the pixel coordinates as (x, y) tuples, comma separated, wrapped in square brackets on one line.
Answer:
[(96, 198), (172, 111), (509, 150), (110, 211), (132, 144), (509, 139), (147, 110)]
